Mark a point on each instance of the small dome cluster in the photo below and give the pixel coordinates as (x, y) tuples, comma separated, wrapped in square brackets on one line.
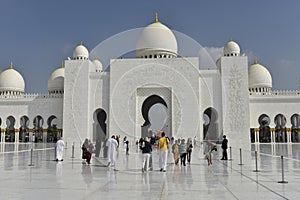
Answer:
[(11, 82), (156, 41), (260, 79), (56, 80)]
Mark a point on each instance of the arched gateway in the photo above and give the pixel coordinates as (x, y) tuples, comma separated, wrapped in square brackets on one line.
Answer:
[(147, 104)]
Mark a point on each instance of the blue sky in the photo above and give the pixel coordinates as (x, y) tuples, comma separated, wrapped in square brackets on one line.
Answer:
[(37, 35)]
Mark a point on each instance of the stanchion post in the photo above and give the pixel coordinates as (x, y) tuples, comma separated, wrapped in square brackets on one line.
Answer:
[(230, 153), (256, 167), (55, 148), (241, 162), (66, 145), (31, 155), (282, 171), (73, 150)]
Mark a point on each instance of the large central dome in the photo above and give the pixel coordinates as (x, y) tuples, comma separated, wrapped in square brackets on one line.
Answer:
[(156, 41)]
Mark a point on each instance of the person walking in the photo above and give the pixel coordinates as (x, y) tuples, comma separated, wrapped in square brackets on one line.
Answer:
[(163, 151), (112, 146), (175, 151), (126, 145), (182, 151), (86, 154), (60, 144), (146, 150), (212, 147), (224, 147), (124, 142), (91, 147), (189, 150)]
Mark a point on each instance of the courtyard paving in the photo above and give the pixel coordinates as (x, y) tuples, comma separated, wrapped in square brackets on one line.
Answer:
[(37, 176)]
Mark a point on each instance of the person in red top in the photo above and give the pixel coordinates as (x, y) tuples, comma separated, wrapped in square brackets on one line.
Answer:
[(163, 151), (86, 154)]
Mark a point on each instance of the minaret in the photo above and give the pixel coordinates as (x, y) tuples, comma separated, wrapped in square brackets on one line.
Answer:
[(235, 98), (76, 113)]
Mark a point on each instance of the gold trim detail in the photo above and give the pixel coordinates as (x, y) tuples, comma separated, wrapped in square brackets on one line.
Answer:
[(156, 18), (255, 60)]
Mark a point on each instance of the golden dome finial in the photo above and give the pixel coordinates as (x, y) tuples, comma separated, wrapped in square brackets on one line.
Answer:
[(81, 43), (156, 17), (11, 65), (231, 39), (255, 60), (62, 64)]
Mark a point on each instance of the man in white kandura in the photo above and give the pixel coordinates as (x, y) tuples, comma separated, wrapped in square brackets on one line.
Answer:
[(112, 145), (60, 144)]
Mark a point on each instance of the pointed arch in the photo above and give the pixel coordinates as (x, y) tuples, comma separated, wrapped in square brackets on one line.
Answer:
[(52, 132), (280, 128), (264, 128), (10, 129), (38, 122), (295, 129), (146, 106), (211, 125), (99, 124), (24, 129)]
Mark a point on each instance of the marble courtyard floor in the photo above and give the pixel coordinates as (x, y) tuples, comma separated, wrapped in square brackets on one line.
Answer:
[(70, 179)]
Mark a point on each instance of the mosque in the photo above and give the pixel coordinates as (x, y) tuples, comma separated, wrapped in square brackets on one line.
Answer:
[(85, 100)]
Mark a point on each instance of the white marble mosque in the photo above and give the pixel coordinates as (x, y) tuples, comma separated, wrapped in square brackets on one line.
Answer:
[(86, 100)]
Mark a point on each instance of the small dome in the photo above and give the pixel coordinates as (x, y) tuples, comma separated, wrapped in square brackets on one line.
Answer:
[(156, 40), (56, 81), (80, 53), (11, 81), (98, 65), (259, 76), (231, 49)]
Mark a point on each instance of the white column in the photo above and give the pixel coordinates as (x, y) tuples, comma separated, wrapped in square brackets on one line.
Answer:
[(17, 136)]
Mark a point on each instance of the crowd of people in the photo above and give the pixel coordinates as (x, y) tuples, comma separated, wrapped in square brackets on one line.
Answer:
[(180, 148)]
